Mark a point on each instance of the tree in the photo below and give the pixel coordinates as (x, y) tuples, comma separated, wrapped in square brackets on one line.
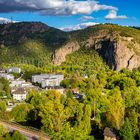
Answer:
[(18, 136), (127, 131), (4, 88), (52, 112), (3, 106), (20, 112), (3, 130), (36, 100), (8, 137), (115, 109)]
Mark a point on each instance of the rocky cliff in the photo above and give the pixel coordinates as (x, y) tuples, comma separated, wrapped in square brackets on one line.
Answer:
[(118, 54), (60, 54), (117, 51)]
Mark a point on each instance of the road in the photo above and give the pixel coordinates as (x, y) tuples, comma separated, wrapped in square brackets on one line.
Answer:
[(28, 133)]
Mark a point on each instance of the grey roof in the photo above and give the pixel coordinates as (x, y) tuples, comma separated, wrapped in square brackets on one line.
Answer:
[(19, 91), (109, 132)]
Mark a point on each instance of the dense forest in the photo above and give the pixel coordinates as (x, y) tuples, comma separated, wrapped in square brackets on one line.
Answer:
[(111, 98)]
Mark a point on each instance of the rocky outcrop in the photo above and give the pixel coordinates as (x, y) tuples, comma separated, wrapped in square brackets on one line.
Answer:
[(59, 55), (118, 54)]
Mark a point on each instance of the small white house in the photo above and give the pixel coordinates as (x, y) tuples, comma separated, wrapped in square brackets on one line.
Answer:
[(19, 94), (14, 69), (9, 77), (10, 106), (27, 85), (17, 83)]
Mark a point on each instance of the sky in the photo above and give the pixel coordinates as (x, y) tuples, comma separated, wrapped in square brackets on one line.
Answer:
[(71, 14)]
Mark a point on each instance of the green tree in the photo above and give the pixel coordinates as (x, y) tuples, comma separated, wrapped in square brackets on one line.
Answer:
[(3, 106), (52, 112), (8, 137), (115, 109), (20, 112), (18, 136), (3, 130), (127, 131)]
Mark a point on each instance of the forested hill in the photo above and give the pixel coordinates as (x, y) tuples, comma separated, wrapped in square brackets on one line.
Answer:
[(17, 33), (38, 44), (29, 42)]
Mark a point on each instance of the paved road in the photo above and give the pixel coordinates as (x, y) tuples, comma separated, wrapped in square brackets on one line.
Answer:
[(28, 133)]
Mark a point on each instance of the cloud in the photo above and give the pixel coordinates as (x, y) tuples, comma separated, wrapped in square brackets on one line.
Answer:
[(78, 26), (85, 18), (113, 15), (53, 7), (5, 20)]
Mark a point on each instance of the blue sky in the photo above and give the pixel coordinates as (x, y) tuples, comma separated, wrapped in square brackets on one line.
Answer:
[(72, 14)]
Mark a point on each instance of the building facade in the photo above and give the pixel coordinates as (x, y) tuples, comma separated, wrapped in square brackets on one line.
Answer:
[(14, 69), (17, 83), (48, 80), (19, 94), (9, 77)]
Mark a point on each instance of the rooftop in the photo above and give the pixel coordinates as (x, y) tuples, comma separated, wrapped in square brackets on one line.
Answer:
[(19, 91), (109, 132)]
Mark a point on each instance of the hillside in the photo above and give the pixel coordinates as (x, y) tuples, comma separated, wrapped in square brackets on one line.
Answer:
[(118, 46), (29, 42), (38, 44)]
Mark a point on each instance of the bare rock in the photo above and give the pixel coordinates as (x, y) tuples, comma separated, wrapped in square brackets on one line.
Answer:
[(60, 54)]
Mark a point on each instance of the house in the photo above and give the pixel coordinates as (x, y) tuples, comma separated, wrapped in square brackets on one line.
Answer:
[(17, 83), (2, 71), (19, 94), (27, 85), (10, 106), (20, 83), (14, 69), (9, 77), (77, 95), (75, 91), (109, 134)]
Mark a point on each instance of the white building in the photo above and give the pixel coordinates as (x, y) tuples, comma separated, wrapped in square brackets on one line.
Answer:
[(48, 79), (50, 82), (38, 78), (27, 85), (17, 83), (9, 77), (19, 94), (14, 69)]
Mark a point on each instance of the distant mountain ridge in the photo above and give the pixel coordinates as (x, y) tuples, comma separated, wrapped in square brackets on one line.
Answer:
[(38, 44)]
